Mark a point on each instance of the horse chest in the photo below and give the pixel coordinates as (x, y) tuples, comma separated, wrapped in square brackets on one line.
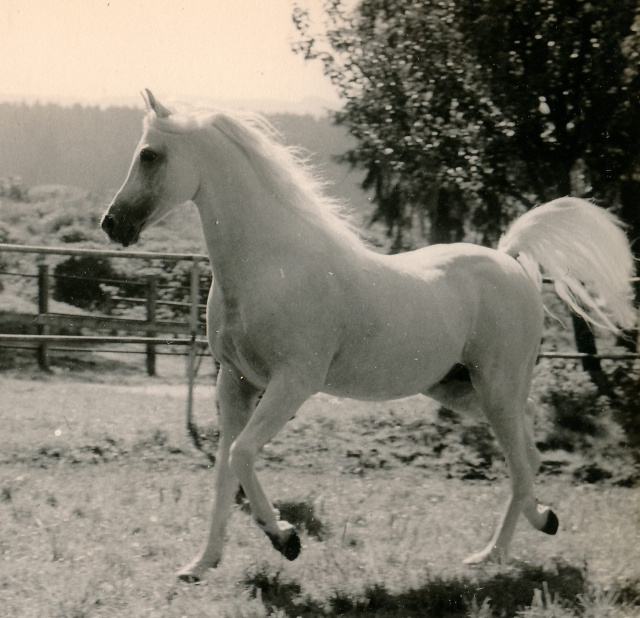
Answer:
[(233, 344)]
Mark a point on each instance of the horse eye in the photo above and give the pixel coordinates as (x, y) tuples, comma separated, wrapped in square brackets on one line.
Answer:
[(147, 155)]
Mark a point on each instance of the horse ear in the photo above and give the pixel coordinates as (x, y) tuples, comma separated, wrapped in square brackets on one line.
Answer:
[(152, 104), (145, 98)]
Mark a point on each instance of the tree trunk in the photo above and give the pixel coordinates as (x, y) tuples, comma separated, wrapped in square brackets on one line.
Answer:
[(630, 214), (446, 226), (582, 333), (585, 343)]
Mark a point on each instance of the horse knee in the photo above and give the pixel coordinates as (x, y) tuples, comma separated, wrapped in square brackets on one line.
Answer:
[(241, 458)]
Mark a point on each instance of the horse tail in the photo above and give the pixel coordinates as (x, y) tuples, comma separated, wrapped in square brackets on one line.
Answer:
[(584, 250)]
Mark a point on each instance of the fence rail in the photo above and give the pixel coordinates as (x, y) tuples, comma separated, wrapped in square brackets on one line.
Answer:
[(116, 253), (582, 355)]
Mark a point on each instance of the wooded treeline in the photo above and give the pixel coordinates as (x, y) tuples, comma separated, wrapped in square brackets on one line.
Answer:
[(91, 148)]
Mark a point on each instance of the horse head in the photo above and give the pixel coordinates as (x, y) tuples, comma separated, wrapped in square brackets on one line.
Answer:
[(160, 178)]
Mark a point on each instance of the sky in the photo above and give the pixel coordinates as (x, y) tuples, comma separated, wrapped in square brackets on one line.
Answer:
[(107, 51)]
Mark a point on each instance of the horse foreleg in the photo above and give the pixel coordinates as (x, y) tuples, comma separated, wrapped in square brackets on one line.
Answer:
[(278, 405), (236, 402)]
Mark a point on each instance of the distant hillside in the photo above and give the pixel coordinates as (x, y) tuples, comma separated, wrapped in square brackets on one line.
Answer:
[(91, 148)]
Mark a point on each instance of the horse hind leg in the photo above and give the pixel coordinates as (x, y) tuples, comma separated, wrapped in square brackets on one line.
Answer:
[(552, 523), (532, 450), (515, 435)]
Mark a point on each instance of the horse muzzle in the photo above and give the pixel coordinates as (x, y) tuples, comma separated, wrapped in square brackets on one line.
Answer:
[(120, 231)]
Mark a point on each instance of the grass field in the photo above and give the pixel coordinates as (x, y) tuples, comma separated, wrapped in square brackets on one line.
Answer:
[(103, 497)]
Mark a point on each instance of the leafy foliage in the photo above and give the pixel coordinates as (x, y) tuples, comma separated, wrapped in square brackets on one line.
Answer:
[(464, 112), (565, 74), (413, 102)]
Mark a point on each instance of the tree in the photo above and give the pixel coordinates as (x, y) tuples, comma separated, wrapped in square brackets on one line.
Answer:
[(418, 108), (495, 105), (565, 74)]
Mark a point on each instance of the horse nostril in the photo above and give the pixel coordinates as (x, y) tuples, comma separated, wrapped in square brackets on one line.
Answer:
[(108, 223)]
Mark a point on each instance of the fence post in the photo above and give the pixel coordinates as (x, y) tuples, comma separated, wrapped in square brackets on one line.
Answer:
[(152, 301), (638, 331), (43, 308)]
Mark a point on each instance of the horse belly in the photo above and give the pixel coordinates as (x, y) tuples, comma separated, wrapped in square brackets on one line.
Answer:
[(378, 384), (400, 357)]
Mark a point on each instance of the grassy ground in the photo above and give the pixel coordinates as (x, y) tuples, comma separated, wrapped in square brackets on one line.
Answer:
[(103, 497)]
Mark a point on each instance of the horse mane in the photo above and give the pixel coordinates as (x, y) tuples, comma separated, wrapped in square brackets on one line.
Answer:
[(283, 169)]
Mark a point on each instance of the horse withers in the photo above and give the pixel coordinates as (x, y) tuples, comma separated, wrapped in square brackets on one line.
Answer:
[(299, 305)]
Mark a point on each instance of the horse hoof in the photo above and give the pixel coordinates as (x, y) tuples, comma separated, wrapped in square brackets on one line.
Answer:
[(189, 578), (290, 548), (195, 571), (490, 555), (551, 527)]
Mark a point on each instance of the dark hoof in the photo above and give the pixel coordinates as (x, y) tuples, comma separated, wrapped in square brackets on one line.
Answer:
[(290, 548), (189, 578), (551, 527)]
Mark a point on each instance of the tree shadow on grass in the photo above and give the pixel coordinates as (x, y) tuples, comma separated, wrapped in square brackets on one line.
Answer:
[(451, 598)]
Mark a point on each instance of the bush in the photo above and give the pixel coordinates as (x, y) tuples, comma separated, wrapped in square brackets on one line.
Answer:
[(5, 233), (597, 426), (59, 220), (72, 234), (76, 281), (573, 404), (14, 189)]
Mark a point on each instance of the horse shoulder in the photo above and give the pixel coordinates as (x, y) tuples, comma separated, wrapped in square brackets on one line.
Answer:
[(286, 317)]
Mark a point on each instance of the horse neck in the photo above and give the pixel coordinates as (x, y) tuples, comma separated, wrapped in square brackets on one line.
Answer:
[(249, 229)]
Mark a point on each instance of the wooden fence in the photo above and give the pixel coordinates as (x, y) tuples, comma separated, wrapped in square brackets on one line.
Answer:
[(149, 331)]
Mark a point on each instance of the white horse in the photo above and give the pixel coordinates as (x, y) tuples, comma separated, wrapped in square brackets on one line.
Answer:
[(299, 305)]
